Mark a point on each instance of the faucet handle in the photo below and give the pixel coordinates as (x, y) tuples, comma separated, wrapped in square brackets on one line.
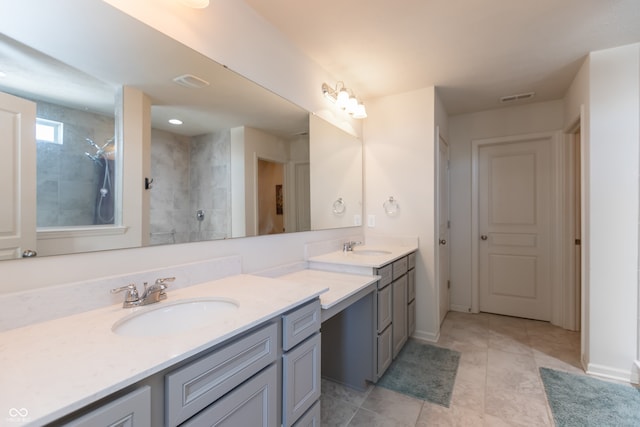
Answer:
[(164, 281), (132, 292)]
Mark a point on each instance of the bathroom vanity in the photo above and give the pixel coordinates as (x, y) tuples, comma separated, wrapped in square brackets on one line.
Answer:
[(259, 365), (368, 334)]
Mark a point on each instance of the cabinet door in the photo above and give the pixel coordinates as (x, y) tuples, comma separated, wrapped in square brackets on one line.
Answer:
[(385, 351), (251, 404), (385, 307), (411, 286), (311, 418), (130, 410), (399, 323), (411, 317), (300, 379)]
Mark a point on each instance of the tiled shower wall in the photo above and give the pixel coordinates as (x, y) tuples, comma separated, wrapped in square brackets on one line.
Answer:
[(190, 174), (67, 180)]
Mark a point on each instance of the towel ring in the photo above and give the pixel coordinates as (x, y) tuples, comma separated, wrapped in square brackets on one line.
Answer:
[(391, 206), (339, 207)]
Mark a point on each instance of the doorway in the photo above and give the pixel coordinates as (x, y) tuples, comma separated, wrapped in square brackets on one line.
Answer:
[(271, 198), (514, 202)]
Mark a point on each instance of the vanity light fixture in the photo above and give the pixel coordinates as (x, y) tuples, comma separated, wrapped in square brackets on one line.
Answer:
[(176, 122), (196, 4), (345, 99)]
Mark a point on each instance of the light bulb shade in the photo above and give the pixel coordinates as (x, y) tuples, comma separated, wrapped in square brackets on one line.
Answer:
[(343, 99), (360, 113), (352, 104)]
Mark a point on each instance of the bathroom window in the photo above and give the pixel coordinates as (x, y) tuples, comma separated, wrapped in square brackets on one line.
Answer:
[(49, 131)]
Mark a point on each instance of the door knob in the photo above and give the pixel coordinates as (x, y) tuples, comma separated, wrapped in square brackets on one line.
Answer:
[(484, 237), (443, 242), (28, 253)]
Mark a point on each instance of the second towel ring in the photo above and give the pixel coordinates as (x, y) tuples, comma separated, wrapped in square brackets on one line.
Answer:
[(339, 206), (391, 206)]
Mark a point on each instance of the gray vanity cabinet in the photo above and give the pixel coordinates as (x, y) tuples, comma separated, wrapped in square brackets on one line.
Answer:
[(301, 363), (131, 410), (395, 309)]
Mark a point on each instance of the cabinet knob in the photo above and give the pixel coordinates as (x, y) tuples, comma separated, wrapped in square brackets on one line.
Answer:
[(484, 237), (443, 242)]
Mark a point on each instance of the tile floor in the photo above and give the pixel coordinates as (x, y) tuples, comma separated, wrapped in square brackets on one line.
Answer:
[(497, 383)]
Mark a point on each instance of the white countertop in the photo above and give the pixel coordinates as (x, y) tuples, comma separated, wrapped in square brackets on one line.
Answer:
[(365, 256), (53, 368), (341, 286)]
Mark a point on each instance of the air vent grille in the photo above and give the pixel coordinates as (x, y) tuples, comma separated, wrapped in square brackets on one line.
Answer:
[(517, 97), (191, 81)]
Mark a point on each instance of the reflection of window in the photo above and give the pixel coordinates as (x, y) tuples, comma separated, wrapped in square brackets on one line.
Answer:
[(48, 131)]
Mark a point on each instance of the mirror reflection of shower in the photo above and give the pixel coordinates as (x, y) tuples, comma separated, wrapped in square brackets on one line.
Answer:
[(103, 157)]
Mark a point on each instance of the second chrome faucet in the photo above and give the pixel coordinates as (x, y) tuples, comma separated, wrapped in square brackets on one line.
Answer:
[(150, 295)]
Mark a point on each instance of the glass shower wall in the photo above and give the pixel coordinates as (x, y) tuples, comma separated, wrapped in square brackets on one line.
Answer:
[(71, 180)]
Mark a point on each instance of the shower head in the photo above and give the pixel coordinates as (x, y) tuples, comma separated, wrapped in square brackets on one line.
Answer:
[(92, 157), (91, 143)]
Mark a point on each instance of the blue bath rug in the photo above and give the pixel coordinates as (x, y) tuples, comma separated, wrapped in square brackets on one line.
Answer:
[(578, 400), (423, 371)]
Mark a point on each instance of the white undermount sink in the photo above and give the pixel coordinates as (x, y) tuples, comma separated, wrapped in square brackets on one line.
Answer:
[(166, 318), (370, 252)]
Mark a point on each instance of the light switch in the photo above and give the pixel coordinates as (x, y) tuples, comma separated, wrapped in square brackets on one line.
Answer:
[(357, 219), (371, 221)]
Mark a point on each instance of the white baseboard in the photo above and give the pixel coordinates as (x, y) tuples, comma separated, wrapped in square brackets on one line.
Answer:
[(426, 336), (610, 373), (460, 308)]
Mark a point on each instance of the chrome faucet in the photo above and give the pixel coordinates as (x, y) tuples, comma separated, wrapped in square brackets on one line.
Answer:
[(348, 246), (150, 295)]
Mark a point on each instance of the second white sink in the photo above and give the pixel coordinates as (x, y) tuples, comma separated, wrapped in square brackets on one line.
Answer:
[(370, 252), (174, 317)]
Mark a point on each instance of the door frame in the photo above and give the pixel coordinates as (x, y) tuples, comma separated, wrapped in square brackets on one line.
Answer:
[(556, 217), (438, 139)]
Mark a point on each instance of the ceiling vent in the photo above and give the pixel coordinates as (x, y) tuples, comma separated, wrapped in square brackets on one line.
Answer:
[(517, 97), (191, 81)]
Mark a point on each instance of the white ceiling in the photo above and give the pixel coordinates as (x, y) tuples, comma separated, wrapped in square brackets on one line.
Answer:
[(475, 51)]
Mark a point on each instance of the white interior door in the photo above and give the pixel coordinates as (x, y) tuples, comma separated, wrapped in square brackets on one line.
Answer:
[(18, 177), (443, 226), (514, 200)]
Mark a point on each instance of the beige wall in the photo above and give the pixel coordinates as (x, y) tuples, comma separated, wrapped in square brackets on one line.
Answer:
[(399, 161)]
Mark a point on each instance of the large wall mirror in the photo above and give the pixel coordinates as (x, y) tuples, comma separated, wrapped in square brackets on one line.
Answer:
[(227, 157)]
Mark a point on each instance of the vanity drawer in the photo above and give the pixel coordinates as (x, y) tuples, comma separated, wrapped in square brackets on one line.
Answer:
[(386, 275), (399, 267), (411, 258), (300, 324), (252, 404), (196, 385)]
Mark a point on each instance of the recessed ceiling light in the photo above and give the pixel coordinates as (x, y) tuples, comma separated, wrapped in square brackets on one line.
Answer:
[(176, 122)]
